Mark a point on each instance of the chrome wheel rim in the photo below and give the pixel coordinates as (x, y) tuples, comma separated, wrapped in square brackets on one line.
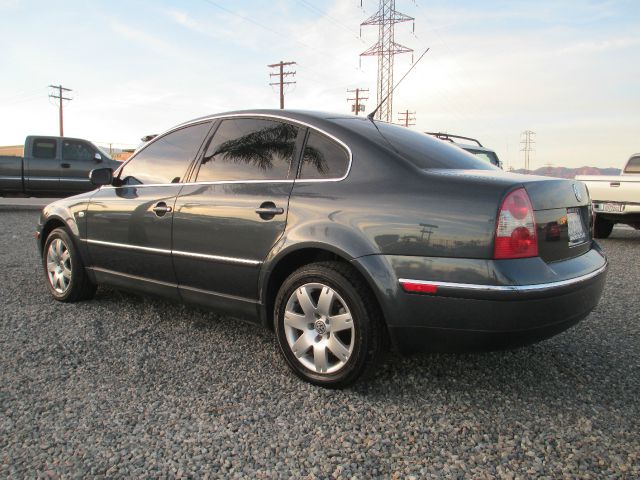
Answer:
[(319, 328), (59, 266)]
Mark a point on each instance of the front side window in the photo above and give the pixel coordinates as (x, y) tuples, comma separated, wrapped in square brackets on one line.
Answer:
[(249, 149), (323, 158), (76, 151), (167, 159), (43, 148)]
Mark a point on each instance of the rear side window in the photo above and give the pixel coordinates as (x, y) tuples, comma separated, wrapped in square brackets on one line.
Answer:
[(76, 151), (167, 159), (249, 149), (633, 166), (323, 158), (43, 148)]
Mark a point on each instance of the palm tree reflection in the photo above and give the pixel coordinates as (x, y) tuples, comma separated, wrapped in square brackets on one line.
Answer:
[(261, 147)]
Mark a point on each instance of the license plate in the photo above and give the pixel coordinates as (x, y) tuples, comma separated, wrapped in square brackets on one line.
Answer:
[(577, 232), (611, 207)]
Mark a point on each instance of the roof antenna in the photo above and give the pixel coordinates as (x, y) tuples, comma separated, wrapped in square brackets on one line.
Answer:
[(370, 116)]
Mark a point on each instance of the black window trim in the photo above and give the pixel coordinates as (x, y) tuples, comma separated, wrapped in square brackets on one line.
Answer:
[(216, 120)]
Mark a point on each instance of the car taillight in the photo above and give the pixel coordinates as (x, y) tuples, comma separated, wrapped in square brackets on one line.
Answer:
[(516, 228)]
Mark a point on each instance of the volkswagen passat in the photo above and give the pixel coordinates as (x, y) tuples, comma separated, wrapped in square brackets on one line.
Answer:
[(338, 232)]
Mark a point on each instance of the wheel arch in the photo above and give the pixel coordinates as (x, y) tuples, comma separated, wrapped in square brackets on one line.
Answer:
[(287, 261)]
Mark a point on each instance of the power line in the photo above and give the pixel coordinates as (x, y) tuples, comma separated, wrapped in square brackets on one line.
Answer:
[(282, 74), (407, 118), (358, 106), (386, 48), (333, 19), (60, 99), (528, 141)]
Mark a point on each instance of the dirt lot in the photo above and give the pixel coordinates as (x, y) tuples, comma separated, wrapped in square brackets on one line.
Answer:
[(125, 386)]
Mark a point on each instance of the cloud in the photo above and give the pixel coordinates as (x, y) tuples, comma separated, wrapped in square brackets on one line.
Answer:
[(600, 46)]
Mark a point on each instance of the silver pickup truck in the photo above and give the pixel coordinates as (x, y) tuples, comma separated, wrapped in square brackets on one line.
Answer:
[(616, 199), (52, 166)]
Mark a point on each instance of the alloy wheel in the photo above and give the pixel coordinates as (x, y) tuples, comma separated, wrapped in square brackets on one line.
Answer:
[(319, 328), (59, 266)]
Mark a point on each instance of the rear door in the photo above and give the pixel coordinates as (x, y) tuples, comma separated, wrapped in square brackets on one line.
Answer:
[(129, 225), (78, 159), (42, 165), (234, 210)]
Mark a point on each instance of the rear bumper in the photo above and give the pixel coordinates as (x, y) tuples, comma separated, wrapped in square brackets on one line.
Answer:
[(491, 314)]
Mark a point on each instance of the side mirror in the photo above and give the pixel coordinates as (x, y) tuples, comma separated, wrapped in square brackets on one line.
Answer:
[(98, 157), (101, 176)]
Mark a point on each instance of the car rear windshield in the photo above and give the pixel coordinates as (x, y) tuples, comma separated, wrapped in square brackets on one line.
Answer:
[(424, 151)]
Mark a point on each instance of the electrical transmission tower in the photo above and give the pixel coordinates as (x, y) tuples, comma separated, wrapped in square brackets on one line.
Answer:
[(358, 106), (60, 99), (385, 49), (407, 118), (281, 74), (528, 142)]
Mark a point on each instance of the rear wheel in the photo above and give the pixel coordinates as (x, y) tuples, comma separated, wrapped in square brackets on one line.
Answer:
[(66, 277), (327, 324), (602, 228)]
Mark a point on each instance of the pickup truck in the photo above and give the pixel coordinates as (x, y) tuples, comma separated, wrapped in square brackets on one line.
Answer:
[(52, 166), (616, 199)]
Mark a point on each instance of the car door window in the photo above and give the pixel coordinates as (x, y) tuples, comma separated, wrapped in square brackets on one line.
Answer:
[(166, 159), (72, 150), (323, 158), (249, 149), (43, 148)]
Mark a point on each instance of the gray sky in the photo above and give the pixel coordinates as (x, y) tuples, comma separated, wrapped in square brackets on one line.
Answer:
[(568, 70)]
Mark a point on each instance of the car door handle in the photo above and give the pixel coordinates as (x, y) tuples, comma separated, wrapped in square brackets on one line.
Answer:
[(268, 210), (65, 165), (161, 209)]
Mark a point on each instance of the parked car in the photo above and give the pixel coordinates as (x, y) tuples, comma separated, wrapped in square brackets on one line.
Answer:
[(52, 166), (616, 199), (338, 232), (475, 147)]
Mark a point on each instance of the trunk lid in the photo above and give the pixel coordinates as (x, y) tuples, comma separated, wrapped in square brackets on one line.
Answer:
[(562, 211)]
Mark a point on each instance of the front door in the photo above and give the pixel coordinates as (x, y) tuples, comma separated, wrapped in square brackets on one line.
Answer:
[(229, 218), (78, 159), (129, 224)]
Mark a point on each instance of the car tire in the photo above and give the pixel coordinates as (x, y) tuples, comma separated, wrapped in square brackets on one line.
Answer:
[(64, 270), (328, 324), (602, 228)]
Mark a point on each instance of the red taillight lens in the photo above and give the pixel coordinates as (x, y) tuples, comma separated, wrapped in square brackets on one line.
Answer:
[(516, 228), (415, 287)]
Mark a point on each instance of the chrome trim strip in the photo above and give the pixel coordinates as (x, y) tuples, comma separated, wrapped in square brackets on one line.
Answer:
[(233, 115), (216, 258), (128, 247), (11, 177), (509, 288)]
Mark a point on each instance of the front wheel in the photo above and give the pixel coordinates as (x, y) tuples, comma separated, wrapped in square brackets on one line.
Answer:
[(328, 325), (66, 277)]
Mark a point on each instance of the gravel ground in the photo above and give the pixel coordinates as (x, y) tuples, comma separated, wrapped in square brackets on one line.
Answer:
[(125, 386)]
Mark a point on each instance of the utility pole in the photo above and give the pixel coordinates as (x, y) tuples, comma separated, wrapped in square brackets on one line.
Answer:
[(60, 98), (358, 106), (528, 142), (282, 74), (385, 49), (407, 118)]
